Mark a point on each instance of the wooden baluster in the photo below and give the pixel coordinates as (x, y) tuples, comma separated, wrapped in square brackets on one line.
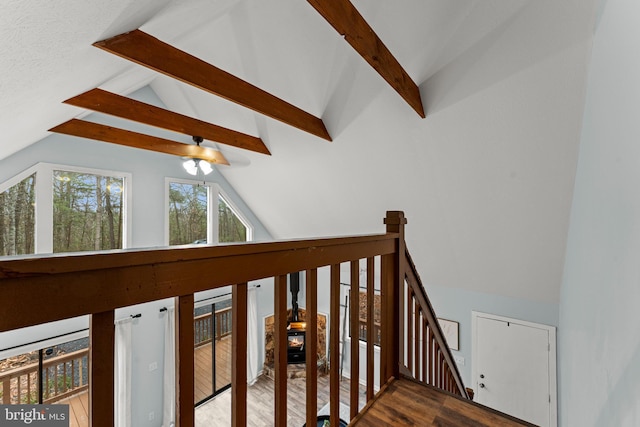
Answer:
[(101, 368), (73, 373), (64, 377), (28, 388), (355, 339), (312, 346), (185, 361), (370, 326), (430, 353), (6, 391), (416, 345), (46, 383), (280, 350), (425, 351), (445, 380), (409, 326), (239, 356), (334, 344), (440, 368)]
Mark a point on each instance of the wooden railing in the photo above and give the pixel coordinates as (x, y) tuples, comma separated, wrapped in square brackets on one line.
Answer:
[(428, 358), (203, 325), (61, 376), (75, 285)]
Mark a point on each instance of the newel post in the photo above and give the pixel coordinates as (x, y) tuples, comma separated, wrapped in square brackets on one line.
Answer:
[(393, 271)]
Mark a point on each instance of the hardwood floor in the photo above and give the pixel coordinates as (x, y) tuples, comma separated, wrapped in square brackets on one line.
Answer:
[(405, 402), (260, 401)]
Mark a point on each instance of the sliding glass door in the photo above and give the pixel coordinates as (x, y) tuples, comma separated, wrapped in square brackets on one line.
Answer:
[(212, 340)]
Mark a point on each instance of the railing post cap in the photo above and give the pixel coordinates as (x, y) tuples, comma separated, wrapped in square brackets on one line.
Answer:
[(395, 218)]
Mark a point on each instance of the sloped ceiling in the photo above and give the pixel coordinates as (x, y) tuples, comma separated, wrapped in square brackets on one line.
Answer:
[(485, 180)]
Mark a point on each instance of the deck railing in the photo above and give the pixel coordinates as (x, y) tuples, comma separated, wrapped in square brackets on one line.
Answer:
[(205, 324), (61, 377), (98, 284)]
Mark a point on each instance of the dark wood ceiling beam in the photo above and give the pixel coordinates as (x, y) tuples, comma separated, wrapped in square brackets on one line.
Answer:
[(346, 19), (146, 50), (131, 109), (132, 139)]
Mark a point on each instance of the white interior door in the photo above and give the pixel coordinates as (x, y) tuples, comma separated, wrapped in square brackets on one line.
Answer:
[(514, 368)]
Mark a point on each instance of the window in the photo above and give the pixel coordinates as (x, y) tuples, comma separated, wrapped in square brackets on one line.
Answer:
[(52, 208), (87, 211), (187, 213), (17, 218), (376, 317), (230, 227), (192, 216)]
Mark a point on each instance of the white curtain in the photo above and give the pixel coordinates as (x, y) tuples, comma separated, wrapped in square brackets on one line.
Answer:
[(169, 387), (252, 336), (122, 383)]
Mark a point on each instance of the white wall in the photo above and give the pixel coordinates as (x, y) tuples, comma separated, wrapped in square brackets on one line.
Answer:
[(457, 305), (599, 336), (148, 186)]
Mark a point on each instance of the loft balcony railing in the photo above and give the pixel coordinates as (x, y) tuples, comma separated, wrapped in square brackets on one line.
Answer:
[(98, 284)]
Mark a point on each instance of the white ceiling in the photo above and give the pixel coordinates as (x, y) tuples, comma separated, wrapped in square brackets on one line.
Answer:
[(486, 180)]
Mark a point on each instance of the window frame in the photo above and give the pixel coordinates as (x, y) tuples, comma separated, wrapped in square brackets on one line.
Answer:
[(44, 200), (213, 192), (241, 216)]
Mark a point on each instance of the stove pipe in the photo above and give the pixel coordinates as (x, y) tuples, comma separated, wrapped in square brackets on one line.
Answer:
[(294, 284)]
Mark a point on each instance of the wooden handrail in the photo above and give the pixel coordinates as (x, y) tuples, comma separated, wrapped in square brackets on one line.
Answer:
[(437, 336), (97, 284), (129, 277)]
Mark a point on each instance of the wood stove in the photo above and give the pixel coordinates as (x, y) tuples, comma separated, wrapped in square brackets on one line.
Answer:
[(296, 348)]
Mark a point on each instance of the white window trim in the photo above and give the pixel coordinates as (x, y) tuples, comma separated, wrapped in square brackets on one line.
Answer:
[(238, 212), (44, 200), (213, 192)]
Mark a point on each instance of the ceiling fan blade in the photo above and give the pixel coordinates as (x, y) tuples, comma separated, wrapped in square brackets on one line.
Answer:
[(120, 106), (128, 138), (144, 49)]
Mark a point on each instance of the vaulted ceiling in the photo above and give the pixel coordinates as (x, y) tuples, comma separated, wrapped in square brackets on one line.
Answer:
[(486, 179)]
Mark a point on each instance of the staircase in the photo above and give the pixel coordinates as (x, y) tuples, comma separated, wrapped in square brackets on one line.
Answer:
[(420, 383)]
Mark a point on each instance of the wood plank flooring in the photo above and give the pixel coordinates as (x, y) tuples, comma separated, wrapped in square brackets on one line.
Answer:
[(78, 409), (405, 402), (260, 401)]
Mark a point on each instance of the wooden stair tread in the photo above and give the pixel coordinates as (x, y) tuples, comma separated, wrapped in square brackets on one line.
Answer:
[(405, 402)]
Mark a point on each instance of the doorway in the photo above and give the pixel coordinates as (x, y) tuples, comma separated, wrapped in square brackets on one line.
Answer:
[(514, 367), (212, 340)]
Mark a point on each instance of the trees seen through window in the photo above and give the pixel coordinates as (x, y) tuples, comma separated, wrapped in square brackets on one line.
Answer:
[(87, 212), (17, 218)]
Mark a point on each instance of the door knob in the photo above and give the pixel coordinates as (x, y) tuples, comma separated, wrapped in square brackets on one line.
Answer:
[(481, 385)]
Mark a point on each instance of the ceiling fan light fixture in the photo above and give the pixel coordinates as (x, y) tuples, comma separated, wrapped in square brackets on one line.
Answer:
[(191, 167), (205, 167)]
